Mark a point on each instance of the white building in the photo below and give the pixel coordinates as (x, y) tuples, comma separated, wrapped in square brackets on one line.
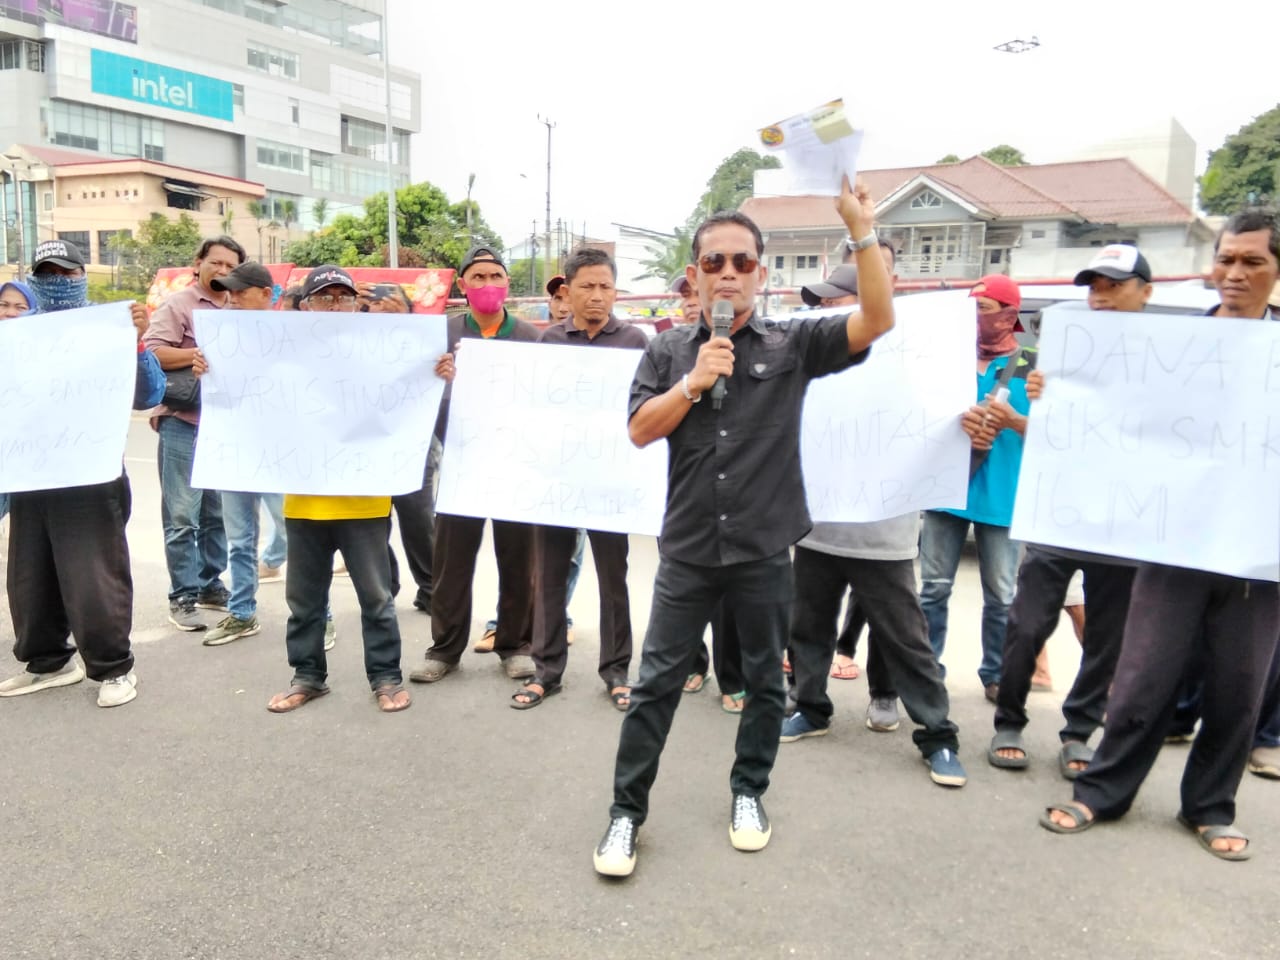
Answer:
[(290, 95)]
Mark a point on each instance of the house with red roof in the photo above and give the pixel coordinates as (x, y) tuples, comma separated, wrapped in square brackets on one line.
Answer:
[(959, 221)]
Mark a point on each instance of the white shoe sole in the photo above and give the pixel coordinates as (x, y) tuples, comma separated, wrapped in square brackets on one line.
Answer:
[(190, 628), (792, 738), (133, 693), (883, 728), (611, 867), (231, 637), (749, 841), (60, 680)]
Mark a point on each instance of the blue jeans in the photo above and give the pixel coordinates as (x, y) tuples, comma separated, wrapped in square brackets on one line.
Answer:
[(240, 517), (575, 568), (273, 553), (195, 545), (941, 543)]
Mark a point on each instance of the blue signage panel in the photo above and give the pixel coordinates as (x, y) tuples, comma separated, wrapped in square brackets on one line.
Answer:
[(160, 86)]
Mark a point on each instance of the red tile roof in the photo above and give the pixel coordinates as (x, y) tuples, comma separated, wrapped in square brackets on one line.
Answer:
[(1098, 191)]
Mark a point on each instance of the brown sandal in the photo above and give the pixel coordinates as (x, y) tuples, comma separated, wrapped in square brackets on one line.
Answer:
[(391, 691), (280, 702)]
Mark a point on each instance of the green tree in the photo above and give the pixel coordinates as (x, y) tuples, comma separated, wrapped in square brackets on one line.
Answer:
[(669, 257), (288, 214), (320, 212), (523, 284), (731, 184), (158, 242), (1245, 170), (950, 158), (1005, 156), (322, 247)]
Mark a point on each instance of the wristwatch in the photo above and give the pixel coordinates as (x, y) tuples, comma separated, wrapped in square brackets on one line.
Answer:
[(870, 240), (688, 394)]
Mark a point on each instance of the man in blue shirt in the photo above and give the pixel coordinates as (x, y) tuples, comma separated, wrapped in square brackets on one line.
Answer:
[(996, 425)]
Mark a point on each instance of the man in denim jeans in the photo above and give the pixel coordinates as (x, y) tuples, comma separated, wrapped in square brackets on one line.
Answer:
[(195, 545), (995, 424)]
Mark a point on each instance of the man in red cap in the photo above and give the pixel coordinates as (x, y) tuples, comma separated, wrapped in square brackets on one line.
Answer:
[(995, 425)]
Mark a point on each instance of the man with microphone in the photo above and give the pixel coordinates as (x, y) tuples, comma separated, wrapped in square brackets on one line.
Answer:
[(735, 501)]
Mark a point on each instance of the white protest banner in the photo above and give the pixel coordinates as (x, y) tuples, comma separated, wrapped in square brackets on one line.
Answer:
[(816, 148), (883, 438), (1157, 438), (538, 434), (66, 388), (317, 403)]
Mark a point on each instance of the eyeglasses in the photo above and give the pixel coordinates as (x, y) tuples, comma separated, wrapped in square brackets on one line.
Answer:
[(328, 299), (714, 262)]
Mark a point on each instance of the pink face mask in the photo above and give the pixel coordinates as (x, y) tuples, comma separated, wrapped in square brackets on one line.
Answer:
[(487, 299)]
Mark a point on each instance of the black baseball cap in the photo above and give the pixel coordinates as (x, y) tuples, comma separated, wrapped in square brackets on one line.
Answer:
[(842, 283), (480, 253), (554, 284), (326, 275), (1117, 261), (243, 277), (62, 252)]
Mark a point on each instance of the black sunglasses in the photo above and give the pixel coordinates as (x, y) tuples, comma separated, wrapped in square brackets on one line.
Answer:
[(714, 262)]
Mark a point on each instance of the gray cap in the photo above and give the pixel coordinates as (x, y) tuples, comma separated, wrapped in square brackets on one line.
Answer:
[(842, 282)]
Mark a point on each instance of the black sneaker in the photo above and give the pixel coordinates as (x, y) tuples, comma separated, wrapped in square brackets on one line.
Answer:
[(214, 597), (616, 855), (749, 828), (182, 614)]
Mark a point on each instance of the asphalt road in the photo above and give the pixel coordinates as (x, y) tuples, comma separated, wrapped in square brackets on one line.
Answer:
[(194, 824)]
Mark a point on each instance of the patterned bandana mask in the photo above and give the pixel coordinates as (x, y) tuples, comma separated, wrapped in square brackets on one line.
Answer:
[(55, 291)]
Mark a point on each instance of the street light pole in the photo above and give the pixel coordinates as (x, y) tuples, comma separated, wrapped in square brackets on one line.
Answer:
[(22, 227), (393, 238), (547, 250), (471, 240)]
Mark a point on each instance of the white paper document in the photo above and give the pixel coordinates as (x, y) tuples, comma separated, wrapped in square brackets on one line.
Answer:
[(817, 149), (538, 434), (883, 438), (66, 389), (317, 403), (1157, 438)]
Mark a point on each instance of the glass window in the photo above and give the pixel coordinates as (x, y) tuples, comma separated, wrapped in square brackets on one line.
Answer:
[(79, 237), (282, 156), (107, 255), (925, 199), (35, 56), (272, 60), (10, 55)]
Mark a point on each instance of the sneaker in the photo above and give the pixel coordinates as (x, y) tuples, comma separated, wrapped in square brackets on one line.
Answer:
[(231, 628), (330, 635), (214, 597), (616, 855), (432, 671), (25, 683), (882, 714), (798, 726), (485, 643), (270, 574), (945, 769), (749, 828), (519, 667), (1265, 762), (118, 691), (182, 614)]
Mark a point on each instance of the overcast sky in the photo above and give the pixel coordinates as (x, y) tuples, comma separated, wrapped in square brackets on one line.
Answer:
[(648, 97)]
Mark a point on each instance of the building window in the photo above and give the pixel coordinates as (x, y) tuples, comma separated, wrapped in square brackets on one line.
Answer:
[(35, 56), (995, 257), (778, 263), (294, 112), (925, 199), (273, 60), (809, 263), (48, 200), (321, 172), (11, 54), (1037, 234), (282, 206), (79, 237), (237, 95), (282, 156), (262, 12), (108, 131), (108, 256)]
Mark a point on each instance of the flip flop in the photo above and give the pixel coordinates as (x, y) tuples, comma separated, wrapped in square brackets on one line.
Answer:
[(848, 671), (307, 693), (621, 697), (389, 690), (1218, 831), (1008, 738), (1076, 812), (1073, 751), (695, 682), (737, 700), (535, 698)]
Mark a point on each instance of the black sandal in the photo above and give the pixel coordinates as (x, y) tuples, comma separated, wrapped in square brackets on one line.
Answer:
[(535, 698)]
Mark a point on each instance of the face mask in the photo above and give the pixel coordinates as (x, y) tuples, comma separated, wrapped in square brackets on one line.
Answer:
[(486, 299), (54, 291), (995, 333)]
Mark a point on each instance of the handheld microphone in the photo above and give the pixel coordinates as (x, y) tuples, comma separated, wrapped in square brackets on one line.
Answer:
[(721, 322)]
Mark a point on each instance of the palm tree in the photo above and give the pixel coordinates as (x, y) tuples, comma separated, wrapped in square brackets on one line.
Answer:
[(320, 212), (227, 218), (670, 257), (258, 210), (288, 210)]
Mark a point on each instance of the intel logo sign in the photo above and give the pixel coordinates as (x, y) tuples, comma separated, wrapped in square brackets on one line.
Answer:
[(160, 86)]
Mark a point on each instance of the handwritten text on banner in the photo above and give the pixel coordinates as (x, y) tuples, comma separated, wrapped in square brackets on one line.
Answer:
[(66, 389), (317, 403), (1158, 438), (538, 433)]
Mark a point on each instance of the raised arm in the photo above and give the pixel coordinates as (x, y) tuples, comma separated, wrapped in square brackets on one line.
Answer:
[(874, 315)]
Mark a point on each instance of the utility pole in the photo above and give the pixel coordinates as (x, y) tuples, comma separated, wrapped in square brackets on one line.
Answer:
[(533, 258), (393, 228), (471, 181), (545, 121)]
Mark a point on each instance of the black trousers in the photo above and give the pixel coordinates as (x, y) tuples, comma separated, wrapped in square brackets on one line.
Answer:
[(416, 515), (684, 599), (553, 554), (1042, 587), (457, 542), (726, 656), (69, 576), (879, 683), (886, 591), (1236, 624)]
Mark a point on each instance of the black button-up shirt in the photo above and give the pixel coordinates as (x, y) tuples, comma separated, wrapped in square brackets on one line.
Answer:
[(734, 488), (615, 333)]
